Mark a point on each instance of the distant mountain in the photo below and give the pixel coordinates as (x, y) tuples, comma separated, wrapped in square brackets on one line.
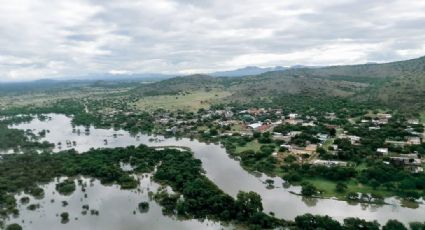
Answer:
[(122, 77), (246, 71)]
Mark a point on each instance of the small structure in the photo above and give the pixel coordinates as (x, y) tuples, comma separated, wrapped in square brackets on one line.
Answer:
[(311, 148), (382, 151), (330, 163), (413, 141), (410, 162), (255, 125)]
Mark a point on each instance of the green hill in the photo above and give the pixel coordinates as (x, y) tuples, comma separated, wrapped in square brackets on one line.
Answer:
[(398, 84)]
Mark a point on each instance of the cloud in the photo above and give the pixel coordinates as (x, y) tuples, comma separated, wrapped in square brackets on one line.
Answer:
[(119, 72), (53, 39)]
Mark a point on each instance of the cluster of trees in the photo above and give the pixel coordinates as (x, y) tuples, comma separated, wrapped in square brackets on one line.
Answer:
[(14, 138), (312, 222), (202, 198), (334, 173)]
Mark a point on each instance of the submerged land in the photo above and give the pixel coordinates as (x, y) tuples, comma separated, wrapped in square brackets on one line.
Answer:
[(352, 133)]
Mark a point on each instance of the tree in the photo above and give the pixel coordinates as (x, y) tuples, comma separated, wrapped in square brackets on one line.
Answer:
[(332, 132), (64, 217), (360, 224), (143, 207), (352, 196), (308, 190), (417, 226), (340, 187), (394, 225), (248, 203), (310, 222), (14, 227)]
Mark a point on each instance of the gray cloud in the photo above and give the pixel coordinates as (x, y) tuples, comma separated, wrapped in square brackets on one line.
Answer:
[(68, 38)]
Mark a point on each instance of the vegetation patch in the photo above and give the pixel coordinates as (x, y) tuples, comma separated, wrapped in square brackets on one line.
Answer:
[(66, 187)]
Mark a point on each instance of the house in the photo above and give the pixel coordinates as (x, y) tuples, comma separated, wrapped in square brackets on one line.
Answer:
[(413, 141), (322, 137), (353, 139), (255, 125), (288, 147), (293, 121), (374, 128), (384, 115), (410, 162), (330, 163), (330, 116), (294, 133), (396, 143), (382, 151), (293, 115), (413, 121), (311, 148), (308, 124)]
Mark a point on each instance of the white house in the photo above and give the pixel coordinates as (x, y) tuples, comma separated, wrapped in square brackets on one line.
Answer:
[(383, 151)]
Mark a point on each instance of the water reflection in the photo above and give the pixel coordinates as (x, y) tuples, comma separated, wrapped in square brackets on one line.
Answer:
[(310, 201)]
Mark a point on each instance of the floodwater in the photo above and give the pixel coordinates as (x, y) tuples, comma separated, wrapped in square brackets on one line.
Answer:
[(223, 171), (118, 209)]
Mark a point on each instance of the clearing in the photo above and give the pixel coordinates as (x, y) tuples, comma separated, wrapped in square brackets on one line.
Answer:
[(191, 101)]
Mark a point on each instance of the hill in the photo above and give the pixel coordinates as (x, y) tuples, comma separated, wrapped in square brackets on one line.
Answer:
[(397, 84), (246, 71)]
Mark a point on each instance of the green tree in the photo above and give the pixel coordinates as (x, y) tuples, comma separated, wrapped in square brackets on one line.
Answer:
[(360, 224), (248, 203), (308, 190), (340, 187), (394, 225), (14, 227)]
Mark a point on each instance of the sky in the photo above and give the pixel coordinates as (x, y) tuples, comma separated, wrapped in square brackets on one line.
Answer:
[(63, 38)]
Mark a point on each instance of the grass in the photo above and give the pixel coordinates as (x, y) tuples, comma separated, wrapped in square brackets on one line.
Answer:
[(422, 117), (328, 188), (189, 102), (328, 143), (253, 145), (238, 127)]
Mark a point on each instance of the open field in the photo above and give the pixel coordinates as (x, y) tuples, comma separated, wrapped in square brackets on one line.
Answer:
[(253, 145), (328, 188), (191, 101)]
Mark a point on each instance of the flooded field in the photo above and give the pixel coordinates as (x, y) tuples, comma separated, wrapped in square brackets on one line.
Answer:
[(219, 167)]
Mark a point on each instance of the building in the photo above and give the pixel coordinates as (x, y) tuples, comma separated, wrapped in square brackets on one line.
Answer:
[(410, 162), (255, 125), (413, 141), (293, 115), (330, 163), (382, 151)]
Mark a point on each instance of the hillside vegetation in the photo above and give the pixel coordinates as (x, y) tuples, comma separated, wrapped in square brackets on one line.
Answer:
[(400, 85)]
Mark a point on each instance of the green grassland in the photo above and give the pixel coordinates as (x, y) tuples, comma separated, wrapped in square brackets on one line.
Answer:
[(191, 101), (327, 188), (253, 145)]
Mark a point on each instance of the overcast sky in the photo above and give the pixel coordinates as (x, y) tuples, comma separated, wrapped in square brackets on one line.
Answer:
[(53, 39)]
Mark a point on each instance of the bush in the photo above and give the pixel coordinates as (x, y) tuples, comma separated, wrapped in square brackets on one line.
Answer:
[(14, 227), (143, 207), (394, 225), (67, 187), (308, 190)]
